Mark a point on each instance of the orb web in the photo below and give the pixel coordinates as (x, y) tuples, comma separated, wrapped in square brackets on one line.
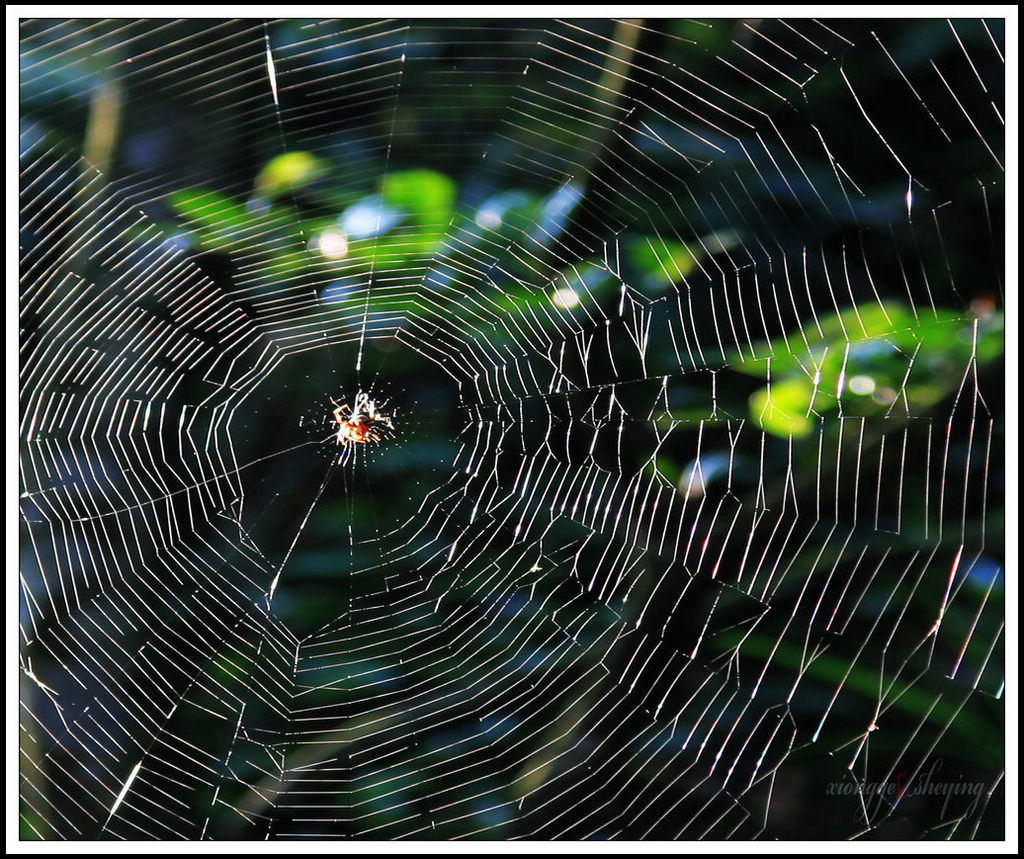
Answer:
[(691, 527)]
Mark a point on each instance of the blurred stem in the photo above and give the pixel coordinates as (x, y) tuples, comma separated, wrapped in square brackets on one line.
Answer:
[(615, 73), (102, 131), (104, 124)]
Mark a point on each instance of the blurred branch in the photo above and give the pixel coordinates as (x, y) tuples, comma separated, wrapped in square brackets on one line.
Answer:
[(104, 124), (615, 73), (102, 131)]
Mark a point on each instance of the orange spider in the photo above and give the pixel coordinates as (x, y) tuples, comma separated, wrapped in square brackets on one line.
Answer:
[(362, 422)]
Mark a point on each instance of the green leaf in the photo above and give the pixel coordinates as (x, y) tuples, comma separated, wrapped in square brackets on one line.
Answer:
[(782, 409), (426, 196), (288, 172), (218, 219), (662, 263), (866, 358)]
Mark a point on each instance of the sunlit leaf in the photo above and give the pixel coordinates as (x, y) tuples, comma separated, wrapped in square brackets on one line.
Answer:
[(288, 172), (426, 196), (866, 359), (782, 409), (662, 262), (218, 218)]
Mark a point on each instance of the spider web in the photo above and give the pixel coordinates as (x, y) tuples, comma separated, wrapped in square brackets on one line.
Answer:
[(691, 524)]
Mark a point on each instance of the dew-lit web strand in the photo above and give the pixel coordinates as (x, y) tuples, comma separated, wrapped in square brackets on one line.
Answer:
[(135, 771), (307, 250), (136, 448), (373, 253), (274, 93)]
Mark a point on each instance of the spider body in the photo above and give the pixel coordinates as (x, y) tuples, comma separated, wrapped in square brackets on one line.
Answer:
[(363, 422)]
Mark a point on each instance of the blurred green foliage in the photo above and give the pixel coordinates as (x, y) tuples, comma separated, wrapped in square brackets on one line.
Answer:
[(871, 360)]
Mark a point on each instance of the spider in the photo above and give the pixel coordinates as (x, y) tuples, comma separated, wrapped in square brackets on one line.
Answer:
[(362, 423)]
